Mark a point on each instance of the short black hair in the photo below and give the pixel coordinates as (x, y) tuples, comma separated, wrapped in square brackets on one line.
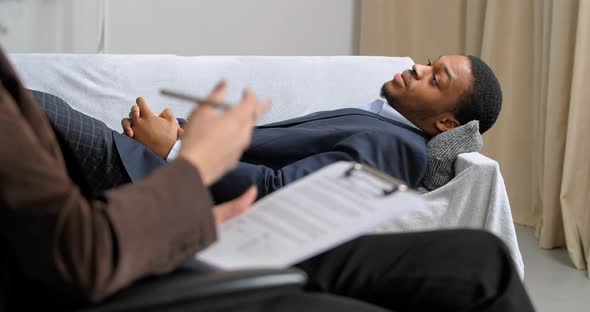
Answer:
[(483, 101)]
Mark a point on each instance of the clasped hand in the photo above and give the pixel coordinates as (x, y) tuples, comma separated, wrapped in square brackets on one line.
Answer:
[(212, 141)]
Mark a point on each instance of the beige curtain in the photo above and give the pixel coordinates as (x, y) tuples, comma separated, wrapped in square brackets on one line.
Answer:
[(540, 50)]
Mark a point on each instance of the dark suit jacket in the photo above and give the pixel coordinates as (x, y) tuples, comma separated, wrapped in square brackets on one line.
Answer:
[(60, 246), (283, 152)]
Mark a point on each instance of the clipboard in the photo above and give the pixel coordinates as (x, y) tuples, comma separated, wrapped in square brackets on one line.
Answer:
[(396, 184), (331, 206)]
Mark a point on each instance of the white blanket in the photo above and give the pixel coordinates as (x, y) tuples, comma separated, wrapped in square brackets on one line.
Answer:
[(105, 87)]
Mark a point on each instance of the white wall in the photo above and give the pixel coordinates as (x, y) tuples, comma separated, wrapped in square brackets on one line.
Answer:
[(31, 25), (185, 27)]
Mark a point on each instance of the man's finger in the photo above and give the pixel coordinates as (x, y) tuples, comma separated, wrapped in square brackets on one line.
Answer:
[(127, 127), (144, 108), (168, 114)]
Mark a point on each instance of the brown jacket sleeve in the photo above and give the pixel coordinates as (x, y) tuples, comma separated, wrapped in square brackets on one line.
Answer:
[(89, 248)]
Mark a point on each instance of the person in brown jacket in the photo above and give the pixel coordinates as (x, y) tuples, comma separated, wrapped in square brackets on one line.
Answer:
[(65, 246), (60, 244)]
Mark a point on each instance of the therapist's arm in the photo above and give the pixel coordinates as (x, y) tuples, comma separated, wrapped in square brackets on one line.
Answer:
[(87, 248), (79, 248)]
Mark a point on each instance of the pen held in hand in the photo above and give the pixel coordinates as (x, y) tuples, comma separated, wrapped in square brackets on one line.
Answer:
[(195, 99)]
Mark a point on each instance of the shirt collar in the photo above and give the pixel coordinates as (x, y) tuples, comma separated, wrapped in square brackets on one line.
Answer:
[(391, 113)]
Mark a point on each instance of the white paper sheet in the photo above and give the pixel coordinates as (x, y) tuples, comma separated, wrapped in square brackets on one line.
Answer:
[(307, 217)]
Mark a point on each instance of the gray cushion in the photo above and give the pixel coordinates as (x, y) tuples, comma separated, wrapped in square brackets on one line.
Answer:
[(443, 149)]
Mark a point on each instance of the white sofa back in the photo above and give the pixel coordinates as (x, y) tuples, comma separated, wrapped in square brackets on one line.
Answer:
[(105, 86)]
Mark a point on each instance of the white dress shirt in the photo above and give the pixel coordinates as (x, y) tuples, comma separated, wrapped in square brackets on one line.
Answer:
[(383, 109)]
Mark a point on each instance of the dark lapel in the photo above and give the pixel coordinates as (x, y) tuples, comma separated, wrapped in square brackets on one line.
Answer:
[(333, 114)]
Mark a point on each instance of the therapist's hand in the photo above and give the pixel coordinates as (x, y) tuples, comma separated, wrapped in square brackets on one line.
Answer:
[(213, 141), (230, 209)]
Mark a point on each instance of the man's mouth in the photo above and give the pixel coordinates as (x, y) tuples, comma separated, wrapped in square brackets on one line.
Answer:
[(406, 76), (399, 79)]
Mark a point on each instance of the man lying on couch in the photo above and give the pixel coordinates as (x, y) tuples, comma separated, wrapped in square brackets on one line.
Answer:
[(76, 259), (390, 135)]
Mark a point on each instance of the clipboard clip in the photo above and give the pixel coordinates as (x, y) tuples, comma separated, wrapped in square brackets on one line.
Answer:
[(396, 185)]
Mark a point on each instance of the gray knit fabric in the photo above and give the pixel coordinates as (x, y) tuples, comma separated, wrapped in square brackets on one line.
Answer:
[(443, 149)]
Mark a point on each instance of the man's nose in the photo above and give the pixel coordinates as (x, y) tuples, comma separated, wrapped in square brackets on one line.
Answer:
[(420, 70)]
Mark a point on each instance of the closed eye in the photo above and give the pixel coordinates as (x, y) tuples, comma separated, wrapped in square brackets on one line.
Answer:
[(434, 81)]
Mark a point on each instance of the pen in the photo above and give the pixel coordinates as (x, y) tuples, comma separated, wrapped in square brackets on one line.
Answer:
[(195, 99)]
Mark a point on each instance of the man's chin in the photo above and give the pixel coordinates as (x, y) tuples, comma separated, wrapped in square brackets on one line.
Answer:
[(387, 94)]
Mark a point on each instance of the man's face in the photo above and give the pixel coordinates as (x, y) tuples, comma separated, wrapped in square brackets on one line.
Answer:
[(426, 93)]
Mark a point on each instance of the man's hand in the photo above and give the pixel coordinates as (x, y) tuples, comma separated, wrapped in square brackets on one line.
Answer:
[(214, 141), (157, 132), (134, 113), (230, 209)]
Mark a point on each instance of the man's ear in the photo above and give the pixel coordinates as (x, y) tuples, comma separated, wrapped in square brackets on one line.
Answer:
[(446, 122)]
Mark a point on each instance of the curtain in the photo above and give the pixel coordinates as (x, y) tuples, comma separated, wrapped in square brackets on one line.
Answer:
[(540, 51)]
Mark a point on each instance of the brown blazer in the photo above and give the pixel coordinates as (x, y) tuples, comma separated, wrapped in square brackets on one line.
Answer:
[(61, 247)]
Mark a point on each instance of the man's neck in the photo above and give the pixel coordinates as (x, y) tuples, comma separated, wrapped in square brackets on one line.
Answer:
[(388, 111)]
